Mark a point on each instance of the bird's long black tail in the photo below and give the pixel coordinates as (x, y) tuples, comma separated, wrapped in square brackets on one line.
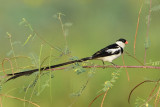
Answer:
[(29, 72)]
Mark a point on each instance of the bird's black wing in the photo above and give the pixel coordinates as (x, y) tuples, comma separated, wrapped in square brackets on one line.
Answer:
[(107, 51)]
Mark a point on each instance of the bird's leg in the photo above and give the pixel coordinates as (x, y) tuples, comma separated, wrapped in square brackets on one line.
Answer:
[(114, 65), (103, 64)]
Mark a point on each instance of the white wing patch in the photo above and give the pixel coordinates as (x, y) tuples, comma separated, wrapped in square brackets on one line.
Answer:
[(112, 50)]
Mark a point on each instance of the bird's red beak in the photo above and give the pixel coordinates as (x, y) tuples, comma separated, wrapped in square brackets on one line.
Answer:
[(126, 42)]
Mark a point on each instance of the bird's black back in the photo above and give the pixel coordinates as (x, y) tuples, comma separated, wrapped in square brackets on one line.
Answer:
[(103, 52)]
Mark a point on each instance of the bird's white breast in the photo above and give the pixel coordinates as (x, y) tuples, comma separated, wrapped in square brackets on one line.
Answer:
[(110, 58)]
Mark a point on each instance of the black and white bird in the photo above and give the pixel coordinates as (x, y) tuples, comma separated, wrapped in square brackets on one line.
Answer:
[(109, 53)]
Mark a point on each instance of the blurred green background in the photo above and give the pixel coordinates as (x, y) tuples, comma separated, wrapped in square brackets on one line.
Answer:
[(89, 25)]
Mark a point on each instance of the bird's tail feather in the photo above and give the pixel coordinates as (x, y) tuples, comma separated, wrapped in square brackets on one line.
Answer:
[(29, 72)]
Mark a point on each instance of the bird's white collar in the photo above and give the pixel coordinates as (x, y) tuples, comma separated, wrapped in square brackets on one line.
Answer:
[(121, 44)]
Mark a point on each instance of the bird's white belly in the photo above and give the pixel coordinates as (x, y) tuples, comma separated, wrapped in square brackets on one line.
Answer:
[(109, 58)]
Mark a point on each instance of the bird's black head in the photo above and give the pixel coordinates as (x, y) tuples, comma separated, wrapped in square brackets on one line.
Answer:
[(123, 40)]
